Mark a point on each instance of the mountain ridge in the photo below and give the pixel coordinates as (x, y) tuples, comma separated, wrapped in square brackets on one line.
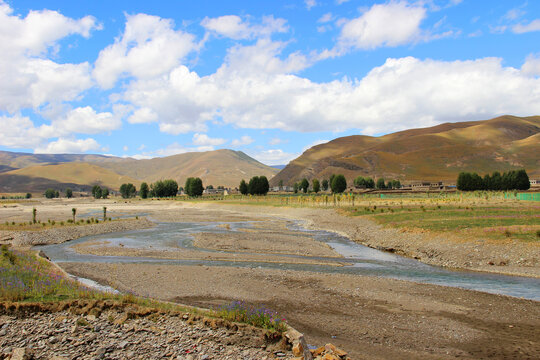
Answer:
[(434, 153)]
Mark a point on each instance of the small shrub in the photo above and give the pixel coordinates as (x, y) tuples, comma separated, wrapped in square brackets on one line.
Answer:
[(88, 221), (62, 223), (538, 234), (43, 224), (53, 222), (507, 233)]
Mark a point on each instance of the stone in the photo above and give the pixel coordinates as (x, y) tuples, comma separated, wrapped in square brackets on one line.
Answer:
[(318, 351), (22, 354), (298, 350), (330, 357)]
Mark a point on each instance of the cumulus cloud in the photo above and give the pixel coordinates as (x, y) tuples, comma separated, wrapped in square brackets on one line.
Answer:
[(244, 140), (274, 157), (525, 28), (27, 77), (310, 3), (69, 146), (149, 47), (531, 65), (401, 93), (390, 24), (234, 27), (85, 120), (205, 140)]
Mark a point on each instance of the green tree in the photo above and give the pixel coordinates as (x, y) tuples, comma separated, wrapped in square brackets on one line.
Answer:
[(57, 194), (34, 213), (280, 184), (304, 184), (50, 193), (316, 186), (28, 196), (338, 184), (96, 192), (380, 184), (258, 185), (104, 193), (325, 184), (69, 193), (243, 187), (128, 190), (194, 187), (522, 180), (295, 187), (73, 213), (143, 191)]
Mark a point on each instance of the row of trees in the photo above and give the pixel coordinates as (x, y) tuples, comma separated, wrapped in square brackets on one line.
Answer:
[(511, 180), (100, 193), (258, 185), (369, 183)]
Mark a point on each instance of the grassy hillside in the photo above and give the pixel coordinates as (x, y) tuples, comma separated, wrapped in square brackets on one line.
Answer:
[(436, 153), (219, 167), (60, 176), (19, 172)]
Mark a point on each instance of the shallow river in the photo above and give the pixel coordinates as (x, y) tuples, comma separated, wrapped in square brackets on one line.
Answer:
[(360, 259)]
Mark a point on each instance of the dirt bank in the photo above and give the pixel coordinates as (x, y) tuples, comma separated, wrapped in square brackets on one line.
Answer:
[(371, 318), (26, 239), (513, 258)]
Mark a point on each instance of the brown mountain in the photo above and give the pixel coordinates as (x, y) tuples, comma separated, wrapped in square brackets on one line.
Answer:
[(437, 153), (21, 172)]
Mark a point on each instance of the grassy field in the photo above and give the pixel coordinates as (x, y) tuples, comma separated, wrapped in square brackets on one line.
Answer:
[(494, 216), (24, 277)]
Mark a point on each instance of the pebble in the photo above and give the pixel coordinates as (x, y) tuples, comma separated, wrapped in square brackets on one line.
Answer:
[(166, 337)]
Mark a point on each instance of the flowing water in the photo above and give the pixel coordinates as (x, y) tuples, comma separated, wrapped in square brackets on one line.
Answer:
[(359, 259)]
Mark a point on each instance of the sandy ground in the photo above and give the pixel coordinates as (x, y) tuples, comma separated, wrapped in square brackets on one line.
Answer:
[(371, 317)]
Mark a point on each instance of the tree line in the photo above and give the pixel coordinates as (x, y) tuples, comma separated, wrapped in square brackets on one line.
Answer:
[(510, 180), (258, 185)]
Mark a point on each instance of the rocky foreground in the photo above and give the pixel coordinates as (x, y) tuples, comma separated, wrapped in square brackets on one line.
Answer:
[(109, 330)]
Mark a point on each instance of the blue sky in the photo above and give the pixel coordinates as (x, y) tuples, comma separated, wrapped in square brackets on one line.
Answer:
[(270, 78)]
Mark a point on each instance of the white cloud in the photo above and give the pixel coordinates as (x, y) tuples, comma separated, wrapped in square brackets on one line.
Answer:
[(149, 47), (125, 148), (142, 116), (274, 157), (524, 28), (310, 4), (27, 77), (69, 146), (85, 120), (531, 65), (232, 26), (17, 132), (276, 141), (390, 24), (244, 140), (205, 140), (339, 2), (401, 93), (326, 18)]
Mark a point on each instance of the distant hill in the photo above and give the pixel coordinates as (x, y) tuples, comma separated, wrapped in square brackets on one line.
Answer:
[(279, 167), (219, 167), (435, 153), (63, 175), (22, 172)]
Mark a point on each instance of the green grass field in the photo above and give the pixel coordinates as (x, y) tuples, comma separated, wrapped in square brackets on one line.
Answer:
[(496, 216)]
